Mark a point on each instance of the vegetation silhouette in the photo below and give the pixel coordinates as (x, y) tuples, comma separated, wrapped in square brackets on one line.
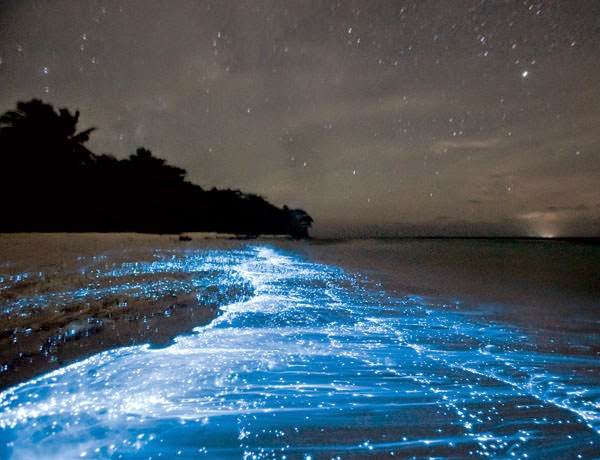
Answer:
[(51, 181)]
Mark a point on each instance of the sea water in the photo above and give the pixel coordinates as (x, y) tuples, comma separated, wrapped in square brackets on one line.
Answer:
[(318, 362)]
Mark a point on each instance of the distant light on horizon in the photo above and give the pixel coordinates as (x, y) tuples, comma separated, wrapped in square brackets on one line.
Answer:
[(370, 112), (547, 235)]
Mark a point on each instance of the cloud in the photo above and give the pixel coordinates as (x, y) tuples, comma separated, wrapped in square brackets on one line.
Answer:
[(547, 216), (345, 109), (442, 147)]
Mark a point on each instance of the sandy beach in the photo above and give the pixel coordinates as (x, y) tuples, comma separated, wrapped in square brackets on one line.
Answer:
[(63, 298), (61, 303), (229, 348)]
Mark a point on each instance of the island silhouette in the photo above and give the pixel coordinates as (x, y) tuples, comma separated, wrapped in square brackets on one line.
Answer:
[(51, 182)]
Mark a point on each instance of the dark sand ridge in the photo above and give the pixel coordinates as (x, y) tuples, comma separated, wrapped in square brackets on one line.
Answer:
[(40, 338)]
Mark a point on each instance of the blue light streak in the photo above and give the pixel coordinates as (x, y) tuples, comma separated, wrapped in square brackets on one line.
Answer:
[(317, 363)]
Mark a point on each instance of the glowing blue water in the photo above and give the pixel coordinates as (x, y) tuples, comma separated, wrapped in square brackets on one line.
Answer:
[(317, 364)]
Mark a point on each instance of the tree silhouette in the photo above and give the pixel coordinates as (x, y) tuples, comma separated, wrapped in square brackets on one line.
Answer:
[(151, 169), (43, 160), (52, 182), (298, 222), (35, 132)]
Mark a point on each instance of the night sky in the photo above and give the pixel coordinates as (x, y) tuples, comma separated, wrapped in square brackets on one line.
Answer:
[(384, 118)]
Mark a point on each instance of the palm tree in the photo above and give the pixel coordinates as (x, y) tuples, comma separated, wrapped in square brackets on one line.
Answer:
[(44, 164), (36, 135)]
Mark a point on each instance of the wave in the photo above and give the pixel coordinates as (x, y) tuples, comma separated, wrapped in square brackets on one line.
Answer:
[(315, 363)]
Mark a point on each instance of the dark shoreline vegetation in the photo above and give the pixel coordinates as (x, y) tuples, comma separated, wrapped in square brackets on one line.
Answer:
[(51, 182)]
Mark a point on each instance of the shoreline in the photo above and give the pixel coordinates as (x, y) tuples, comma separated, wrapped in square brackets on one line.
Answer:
[(552, 279), (128, 310), (64, 298), (59, 338)]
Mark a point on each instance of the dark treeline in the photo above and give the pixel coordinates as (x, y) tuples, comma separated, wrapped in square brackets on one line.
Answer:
[(50, 181)]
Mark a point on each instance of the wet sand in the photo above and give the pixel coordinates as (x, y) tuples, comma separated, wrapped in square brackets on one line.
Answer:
[(49, 319), (59, 304), (51, 339), (321, 362)]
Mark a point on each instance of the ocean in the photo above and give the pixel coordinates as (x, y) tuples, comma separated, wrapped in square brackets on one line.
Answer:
[(319, 350)]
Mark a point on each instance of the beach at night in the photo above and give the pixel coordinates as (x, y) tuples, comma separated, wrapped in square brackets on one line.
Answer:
[(308, 229), (238, 348)]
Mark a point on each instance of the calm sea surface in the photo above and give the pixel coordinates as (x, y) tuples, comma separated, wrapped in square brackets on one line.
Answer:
[(356, 349)]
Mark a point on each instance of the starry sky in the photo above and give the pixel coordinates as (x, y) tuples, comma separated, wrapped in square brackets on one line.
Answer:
[(377, 117)]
